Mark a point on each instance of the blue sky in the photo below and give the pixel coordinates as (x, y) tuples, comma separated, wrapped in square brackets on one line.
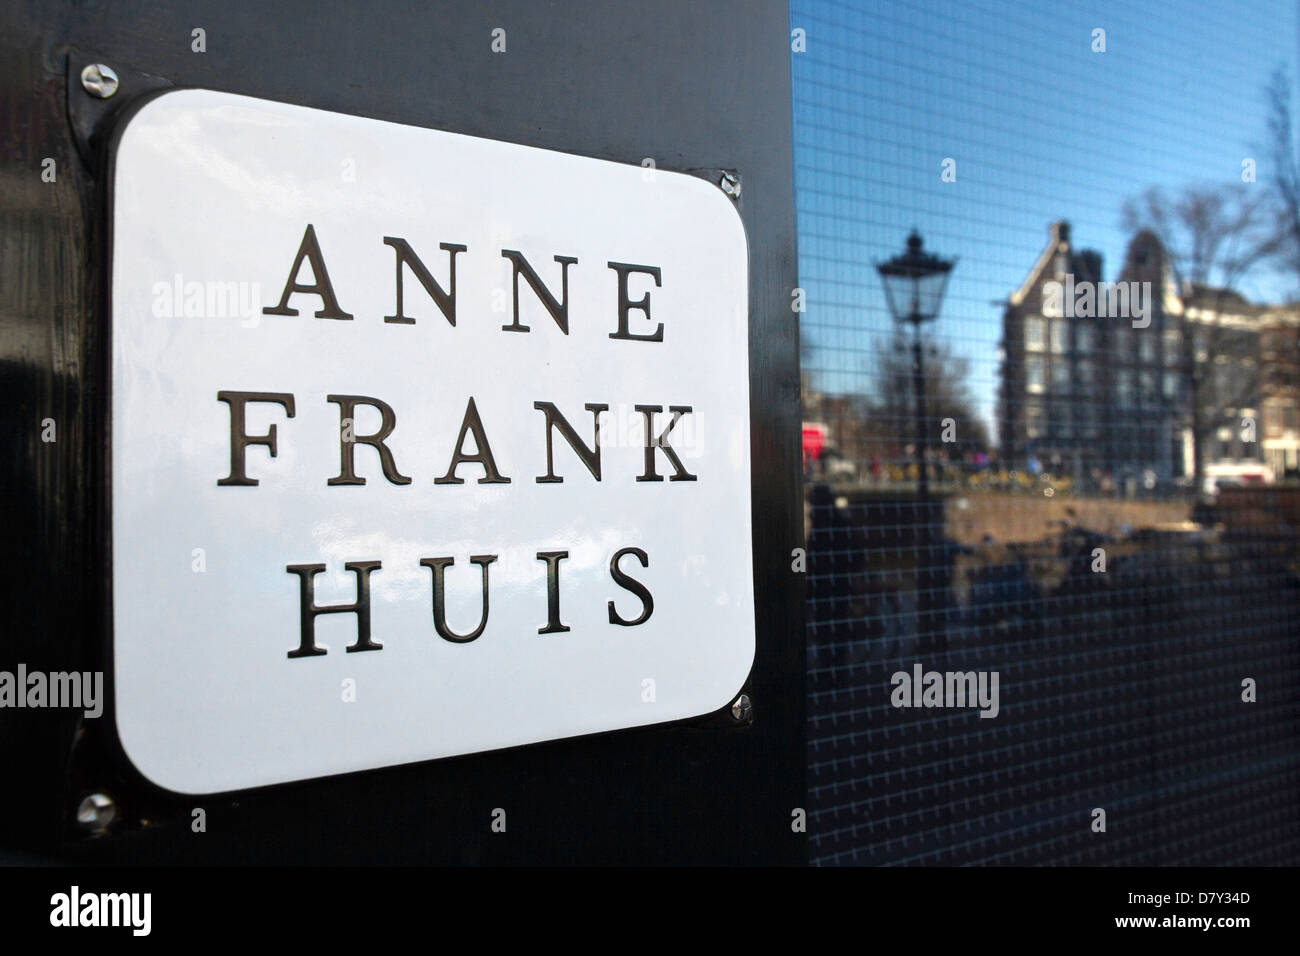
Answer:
[(1041, 128)]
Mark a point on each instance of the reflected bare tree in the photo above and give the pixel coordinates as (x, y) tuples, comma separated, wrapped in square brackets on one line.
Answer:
[(1284, 184), (1212, 237)]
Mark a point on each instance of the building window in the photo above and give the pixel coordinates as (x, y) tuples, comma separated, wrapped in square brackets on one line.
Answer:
[(1146, 345), (1271, 419), (1147, 385), (1169, 385), (1122, 343), (1223, 444), (1085, 372), (1124, 387), (1061, 424), (1173, 348), (1061, 336), (1083, 337), (1087, 416), (1061, 374), (1034, 334), (1034, 374), (1222, 383), (1033, 420)]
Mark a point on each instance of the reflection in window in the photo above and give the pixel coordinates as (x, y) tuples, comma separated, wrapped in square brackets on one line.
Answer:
[(1124, 387), (1034, 333), (1034, 420), (1173, 348), (1222, 384), (1146, 344), (1061, 335), (1147, 385), (1055, 150), (1034, 373), (1083, 337), (1121, 341), (1060, 374), (1086, 414), (1061, 426)]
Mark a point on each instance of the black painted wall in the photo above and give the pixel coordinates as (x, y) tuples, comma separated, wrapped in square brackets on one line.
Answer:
[(694, 86)]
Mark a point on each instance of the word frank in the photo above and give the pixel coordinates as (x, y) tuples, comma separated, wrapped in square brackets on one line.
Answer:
[(553, 421)]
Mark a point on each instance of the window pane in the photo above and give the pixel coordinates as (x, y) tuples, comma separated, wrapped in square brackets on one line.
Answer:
[(1146, 345), (1083, 337), (1060, 335), (1085, 171), (1060, 373), (1034, 333), (1034, 378)]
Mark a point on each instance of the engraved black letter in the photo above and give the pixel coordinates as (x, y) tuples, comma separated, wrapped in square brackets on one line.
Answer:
[(651, 443), (636, 587), (347, 446), (310, 249), (589, 456), (238, 440), (483, 454), (439, 566), (559, 310), (643, 303), (307, 615), (446, 301), (552, 559)]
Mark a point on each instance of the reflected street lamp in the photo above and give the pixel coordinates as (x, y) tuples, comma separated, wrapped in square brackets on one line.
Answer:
[(914, 286)]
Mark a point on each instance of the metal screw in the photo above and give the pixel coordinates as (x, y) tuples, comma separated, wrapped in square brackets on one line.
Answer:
[(99, 80), (730, 184), (743, 709), (96, 812)]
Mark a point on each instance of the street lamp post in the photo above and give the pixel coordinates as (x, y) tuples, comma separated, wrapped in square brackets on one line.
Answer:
[(914, 286)]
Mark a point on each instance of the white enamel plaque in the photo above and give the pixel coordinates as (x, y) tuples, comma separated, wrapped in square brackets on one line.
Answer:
[(341, 349)]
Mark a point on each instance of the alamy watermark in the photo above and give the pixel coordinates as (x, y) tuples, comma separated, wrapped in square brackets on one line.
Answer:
[(207, 300), (923, 688), (130, 910), (1098, 300), (75, 689)]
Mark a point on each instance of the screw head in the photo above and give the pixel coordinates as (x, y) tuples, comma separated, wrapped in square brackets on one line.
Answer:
[(99, 80), (96, 812), (742, 709), (730, 184)]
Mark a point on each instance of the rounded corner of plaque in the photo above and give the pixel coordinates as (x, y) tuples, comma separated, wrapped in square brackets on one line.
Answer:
[(143, 103), (746, 672), (732, 214), (139, 768)]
